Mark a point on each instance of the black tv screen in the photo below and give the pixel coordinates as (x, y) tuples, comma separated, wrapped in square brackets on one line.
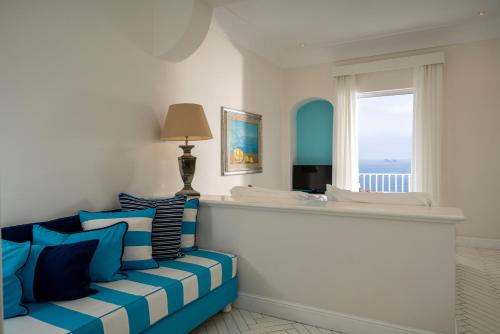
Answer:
[(312, 178)]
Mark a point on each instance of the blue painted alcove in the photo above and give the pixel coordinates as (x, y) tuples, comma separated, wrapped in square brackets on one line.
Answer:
[(314, 133)]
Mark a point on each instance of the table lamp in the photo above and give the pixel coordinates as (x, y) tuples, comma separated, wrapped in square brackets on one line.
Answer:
[(186, 121)]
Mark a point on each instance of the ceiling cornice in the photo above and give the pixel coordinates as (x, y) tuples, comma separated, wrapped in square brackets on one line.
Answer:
[(247, 36)]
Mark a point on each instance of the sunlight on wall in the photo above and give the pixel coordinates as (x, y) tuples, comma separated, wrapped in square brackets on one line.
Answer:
[(212, 77), (221, 74)]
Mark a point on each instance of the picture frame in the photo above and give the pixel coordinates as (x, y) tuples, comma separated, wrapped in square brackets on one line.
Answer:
[(241, 142)]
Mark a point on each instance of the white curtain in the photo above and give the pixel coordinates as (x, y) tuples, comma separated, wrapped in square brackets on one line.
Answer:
[(427, 121), (345, 135)]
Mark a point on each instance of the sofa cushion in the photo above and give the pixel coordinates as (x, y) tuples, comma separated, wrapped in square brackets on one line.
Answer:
[(138, 251), (167, 223), (107, 261), (14, 256), (133, 304), (189, 220), (58, 272)]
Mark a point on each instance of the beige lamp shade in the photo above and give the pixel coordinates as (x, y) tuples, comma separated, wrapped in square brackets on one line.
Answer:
[(186, 121)]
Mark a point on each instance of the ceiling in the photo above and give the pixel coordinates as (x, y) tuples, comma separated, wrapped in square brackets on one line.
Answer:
[(302, 32)]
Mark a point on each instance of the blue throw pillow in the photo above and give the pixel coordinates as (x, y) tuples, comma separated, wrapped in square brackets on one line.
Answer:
[(107, 261), (167, 224), (61, 272), (14, 256), (138, 251), (188, 242)]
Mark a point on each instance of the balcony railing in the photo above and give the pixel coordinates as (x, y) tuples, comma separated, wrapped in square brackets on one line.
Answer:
[(385, 182)]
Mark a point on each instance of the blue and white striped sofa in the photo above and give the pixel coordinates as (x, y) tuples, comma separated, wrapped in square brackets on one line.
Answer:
[(172, 299)]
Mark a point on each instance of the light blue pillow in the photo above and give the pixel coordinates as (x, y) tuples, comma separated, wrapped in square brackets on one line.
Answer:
[(14, 256), (138, 253), (188, 236), (107, 261)]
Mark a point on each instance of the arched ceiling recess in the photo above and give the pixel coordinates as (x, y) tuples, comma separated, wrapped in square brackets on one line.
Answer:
[(180, 26)]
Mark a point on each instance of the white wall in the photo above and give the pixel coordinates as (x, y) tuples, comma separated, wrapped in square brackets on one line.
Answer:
[(82, 99), (221, 74), (472, 81), (472, 136), (80, 106)]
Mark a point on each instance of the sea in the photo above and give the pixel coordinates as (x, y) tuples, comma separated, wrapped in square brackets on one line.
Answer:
[(385, 166)]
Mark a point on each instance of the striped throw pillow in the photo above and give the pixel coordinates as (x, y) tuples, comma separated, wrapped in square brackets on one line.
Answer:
[(189, 225), (167, 224), (137, 253)]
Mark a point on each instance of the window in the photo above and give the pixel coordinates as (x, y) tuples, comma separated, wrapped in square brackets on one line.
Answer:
[(385, 125)]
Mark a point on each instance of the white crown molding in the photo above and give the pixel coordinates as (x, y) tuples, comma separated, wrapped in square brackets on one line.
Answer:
[(319, 317), (438, 37), (250, 37)]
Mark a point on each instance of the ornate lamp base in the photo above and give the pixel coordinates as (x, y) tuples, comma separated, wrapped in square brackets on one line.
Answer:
[(187, 191), (187, 166)]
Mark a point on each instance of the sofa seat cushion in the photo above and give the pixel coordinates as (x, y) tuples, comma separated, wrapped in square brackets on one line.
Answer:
[(132, 305)]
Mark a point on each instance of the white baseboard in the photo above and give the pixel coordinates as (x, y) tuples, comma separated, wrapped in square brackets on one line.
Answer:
[(319, 317), (478, 242)]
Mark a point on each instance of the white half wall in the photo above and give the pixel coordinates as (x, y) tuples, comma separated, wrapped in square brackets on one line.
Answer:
[(82, 99), (358, 268)]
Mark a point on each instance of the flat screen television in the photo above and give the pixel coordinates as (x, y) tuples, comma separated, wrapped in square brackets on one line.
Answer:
[(312, 178)]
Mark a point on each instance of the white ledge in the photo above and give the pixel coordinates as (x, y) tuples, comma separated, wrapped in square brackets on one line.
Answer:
[(373, 211)]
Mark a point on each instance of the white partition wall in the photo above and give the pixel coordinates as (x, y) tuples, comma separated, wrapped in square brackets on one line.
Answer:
[(355, 268)]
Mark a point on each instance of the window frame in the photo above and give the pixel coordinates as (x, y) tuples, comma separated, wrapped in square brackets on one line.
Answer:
[(381, 93), (389, 92)]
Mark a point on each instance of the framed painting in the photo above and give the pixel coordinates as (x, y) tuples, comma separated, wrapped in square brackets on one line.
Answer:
[(241, 142)]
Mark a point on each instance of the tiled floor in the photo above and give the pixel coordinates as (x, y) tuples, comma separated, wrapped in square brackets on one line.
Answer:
[(241, 321), (478, 291), (477, 308)]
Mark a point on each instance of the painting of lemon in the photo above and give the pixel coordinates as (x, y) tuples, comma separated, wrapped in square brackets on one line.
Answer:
[(238, 155), (243, 142)]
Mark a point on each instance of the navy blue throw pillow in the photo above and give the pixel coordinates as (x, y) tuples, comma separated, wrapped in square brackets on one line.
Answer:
[(55, 273)]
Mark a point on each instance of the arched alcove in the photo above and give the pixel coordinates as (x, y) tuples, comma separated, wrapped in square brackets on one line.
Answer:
[(312, 138), (313, 133)]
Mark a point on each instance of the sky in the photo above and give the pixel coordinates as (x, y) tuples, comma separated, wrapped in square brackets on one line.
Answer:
[(385, 127)]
